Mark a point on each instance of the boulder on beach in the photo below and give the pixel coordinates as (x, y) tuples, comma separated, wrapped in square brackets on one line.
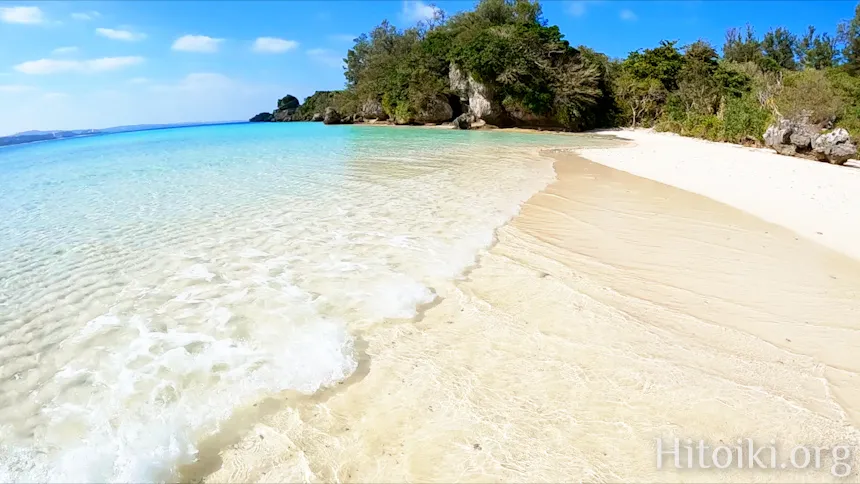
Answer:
[(800, 138), (331, 116), (436, 110), (463, 121), (835, 147)]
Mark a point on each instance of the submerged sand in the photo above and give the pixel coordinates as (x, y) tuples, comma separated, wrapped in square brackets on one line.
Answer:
[(612, 311)]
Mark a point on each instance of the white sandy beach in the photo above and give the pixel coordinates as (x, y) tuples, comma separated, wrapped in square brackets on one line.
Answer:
[(817, 200), (614, 310)]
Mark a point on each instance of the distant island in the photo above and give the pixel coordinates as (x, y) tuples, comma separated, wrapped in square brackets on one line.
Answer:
[(34, 136), (502, 65)]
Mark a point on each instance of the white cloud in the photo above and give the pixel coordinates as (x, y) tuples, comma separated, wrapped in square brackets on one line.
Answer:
[(138, 80), (21, 15), (197, 43), (576, 8), (15, 88), (326, 57), (86, 15), (55, 95), (579, 8), (273, 45), (124, 35), (54, 66), (64, 50), (417, 11), (628, 15)]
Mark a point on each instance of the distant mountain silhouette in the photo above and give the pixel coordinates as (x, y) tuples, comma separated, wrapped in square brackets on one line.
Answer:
[(35, 135)]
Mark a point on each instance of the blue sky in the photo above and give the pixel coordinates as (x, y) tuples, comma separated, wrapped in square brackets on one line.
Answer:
[(77, 64)]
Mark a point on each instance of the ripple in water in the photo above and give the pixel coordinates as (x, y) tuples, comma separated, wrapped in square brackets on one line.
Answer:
[(151, 283)]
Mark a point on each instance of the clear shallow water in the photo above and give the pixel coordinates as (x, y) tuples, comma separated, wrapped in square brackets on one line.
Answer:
[(153, 282)]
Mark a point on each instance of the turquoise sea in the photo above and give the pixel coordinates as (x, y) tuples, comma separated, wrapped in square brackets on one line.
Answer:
[(153, 282)]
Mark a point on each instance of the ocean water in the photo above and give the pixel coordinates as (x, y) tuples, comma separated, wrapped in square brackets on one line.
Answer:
[(152, 283)]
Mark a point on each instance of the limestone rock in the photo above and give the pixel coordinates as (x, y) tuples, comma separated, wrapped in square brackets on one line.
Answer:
[(479, 97), (372, 109), (317, 117), (331, 116), (800, 138), (778, 137), (835, 147), (437, 110), (284, 115), (262, 118), (463, 121)]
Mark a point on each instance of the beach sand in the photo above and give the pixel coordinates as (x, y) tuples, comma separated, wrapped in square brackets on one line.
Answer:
[(612, 311)]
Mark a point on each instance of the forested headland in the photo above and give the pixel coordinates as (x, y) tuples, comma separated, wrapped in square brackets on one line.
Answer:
[(503, 64)]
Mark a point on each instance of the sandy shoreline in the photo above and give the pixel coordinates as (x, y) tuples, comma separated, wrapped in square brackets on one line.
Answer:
[(817, 200), (612, 311)]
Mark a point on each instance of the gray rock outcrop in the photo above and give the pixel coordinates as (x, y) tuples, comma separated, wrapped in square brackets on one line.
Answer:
[(835, 147), (463, 121), (478, 97), (262, 118), (436, 110), (317, 117), (331, 116), (800, 138), (372, 109)]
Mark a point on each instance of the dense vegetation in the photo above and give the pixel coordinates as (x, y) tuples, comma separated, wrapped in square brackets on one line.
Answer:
[(531, 75)]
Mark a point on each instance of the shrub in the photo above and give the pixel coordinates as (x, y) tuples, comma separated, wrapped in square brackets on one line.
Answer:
[(809, 92), (744, 118)]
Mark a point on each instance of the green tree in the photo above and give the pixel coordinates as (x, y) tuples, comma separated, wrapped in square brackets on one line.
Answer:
[(849, 35), (698, 89), (779, 47), (742, 48), (662, 63), (817, 51), (641, 99)]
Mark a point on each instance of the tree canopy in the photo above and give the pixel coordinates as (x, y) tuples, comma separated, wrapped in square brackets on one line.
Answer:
[(530, 74)]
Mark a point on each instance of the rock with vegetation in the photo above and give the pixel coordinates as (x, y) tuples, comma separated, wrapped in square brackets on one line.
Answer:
[(287, 107), (372, 109), (800, 138), (262, 118), (435, 110), (504, 65), (317, 117), (479, 100), (317, 102), (331, 116), (500, 54)]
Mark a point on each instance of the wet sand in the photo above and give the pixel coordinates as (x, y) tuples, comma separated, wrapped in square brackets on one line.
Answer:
[(612, 311)]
